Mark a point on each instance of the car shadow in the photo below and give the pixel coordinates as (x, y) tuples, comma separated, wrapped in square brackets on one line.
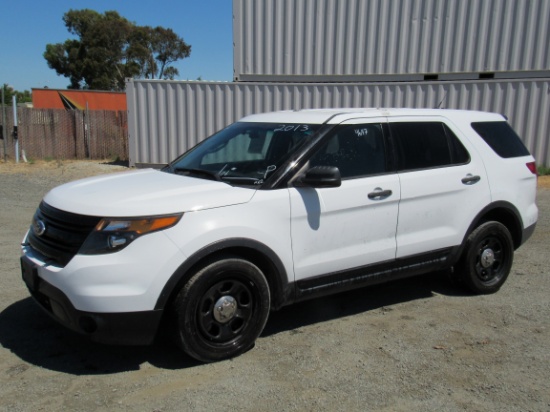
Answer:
[(30, 334), (362, 300)]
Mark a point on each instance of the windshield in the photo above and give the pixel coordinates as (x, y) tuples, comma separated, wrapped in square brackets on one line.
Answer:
[(243, 153)]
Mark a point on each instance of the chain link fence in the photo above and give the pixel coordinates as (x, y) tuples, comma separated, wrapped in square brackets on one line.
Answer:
[(57, 134)]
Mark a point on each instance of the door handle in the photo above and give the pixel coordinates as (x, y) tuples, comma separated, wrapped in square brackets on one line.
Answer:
[(470, 179), (379, 194)]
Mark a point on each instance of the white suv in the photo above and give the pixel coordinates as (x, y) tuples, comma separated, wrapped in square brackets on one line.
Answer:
[(278, 208)]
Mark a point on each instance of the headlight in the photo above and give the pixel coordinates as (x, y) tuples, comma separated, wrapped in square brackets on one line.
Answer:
[(114, 234)]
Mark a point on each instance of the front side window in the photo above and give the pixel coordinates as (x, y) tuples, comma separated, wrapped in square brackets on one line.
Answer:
[(357, 150), (425, 145), (243, 153)]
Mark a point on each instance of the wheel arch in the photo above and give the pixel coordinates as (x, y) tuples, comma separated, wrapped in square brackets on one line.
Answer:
[(502, 212), (257, 253)]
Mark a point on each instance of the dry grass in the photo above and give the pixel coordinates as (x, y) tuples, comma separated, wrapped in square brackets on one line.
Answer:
[(544, 182), (74, 168)]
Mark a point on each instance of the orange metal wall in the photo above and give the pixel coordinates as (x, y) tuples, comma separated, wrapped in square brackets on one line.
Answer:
[(96, 100)]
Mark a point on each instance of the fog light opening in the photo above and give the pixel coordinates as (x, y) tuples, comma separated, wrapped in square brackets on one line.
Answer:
[(116, 242), (87, 324)]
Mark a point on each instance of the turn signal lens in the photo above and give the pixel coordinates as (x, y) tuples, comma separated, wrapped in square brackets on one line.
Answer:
[(138, 226), (114, 234)]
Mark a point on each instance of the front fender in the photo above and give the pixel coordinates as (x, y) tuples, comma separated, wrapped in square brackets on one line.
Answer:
[(281, 287)]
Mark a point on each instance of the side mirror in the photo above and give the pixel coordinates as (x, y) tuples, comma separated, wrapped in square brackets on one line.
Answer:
[(319, 177)]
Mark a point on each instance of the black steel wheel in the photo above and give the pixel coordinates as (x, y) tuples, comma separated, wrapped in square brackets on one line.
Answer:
[(222, 309), (488, 258)]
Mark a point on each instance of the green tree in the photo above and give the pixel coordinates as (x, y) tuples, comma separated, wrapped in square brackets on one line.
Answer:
[(153, 50), (168, 48), (108, 48), (22, 97), (8, 94)]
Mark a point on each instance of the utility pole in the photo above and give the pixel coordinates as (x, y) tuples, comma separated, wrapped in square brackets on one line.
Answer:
[(4, 127), (15, 137)]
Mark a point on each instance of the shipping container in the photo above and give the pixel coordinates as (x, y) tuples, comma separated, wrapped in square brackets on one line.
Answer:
[(166, 118), (381, 40)]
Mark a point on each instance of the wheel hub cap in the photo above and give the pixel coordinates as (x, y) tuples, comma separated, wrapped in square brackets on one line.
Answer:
[(487, 258), (225, 309)]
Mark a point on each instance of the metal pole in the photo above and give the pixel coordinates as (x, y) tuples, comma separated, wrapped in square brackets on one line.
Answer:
[(4, 127), (88, 130), (15, 137)]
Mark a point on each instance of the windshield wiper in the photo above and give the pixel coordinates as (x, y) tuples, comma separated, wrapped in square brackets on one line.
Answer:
[(239, 180), (243, 180), (198, 172)]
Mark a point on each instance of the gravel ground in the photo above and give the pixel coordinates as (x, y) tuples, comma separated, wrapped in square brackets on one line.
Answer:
[(418, 344)]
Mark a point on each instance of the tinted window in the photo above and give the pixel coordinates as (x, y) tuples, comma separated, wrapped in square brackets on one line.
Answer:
[(502, 138), (357, 150), (424, 145)]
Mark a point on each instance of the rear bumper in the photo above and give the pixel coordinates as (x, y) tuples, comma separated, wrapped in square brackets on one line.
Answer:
[(527, 233), (133, 328)]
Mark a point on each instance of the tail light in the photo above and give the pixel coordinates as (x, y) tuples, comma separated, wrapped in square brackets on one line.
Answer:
[(532, 166)]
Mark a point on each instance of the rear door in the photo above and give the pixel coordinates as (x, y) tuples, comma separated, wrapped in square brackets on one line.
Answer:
[(335, 229), (443, 184)]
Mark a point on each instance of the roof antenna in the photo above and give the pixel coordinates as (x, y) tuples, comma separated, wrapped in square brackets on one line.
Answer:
[(441, 102)]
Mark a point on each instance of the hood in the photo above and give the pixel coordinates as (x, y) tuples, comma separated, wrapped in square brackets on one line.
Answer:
[(143, 193)]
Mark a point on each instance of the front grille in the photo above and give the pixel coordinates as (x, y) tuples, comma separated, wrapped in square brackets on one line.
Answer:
[(64, 235)]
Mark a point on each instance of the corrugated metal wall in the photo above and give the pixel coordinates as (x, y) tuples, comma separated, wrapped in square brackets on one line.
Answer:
[(388, 37), (168, 117)]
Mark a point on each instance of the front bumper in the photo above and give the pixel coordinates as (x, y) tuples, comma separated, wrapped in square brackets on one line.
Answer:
[(131, 328)]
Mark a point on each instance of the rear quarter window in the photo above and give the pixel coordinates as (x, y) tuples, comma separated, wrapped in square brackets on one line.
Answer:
[(501, 138)]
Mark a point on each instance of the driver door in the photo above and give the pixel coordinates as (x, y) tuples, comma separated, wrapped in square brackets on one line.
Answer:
[(354, 225)]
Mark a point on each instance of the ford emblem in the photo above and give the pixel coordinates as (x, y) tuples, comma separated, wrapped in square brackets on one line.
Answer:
[(38, 227)]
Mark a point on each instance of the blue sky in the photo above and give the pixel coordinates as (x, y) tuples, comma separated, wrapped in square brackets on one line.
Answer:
[(27, 26)]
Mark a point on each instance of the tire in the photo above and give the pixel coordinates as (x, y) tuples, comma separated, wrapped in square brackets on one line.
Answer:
[(221, 310), (488, 258)]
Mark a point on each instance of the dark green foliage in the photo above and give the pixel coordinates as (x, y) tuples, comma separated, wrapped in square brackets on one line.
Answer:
[(109, 48), (22, 97)]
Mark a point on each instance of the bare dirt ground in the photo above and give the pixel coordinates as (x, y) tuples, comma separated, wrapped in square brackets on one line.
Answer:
[(414, 345)]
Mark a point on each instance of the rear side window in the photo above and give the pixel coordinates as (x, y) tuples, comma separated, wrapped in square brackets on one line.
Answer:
[(425, 145), (501, 138)]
